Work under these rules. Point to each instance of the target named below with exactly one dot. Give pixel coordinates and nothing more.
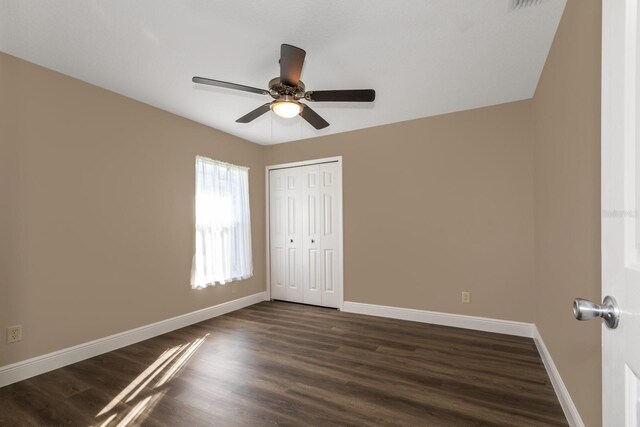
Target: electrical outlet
(14, 334)
(466, 297)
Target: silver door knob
(586, 310)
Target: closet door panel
(330, 186)
(311, 236)
(277, 234)
(294, 239)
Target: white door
(305, 233)
(330, 186)
(285, 224)
(620, 211)
(311, 237)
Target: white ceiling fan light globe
(286, 109)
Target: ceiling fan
(287, 91)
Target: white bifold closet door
(305, 216)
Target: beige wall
(97, 211)
(566, 111)
(436, 206)
(8, 214)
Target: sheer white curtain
(223, 224)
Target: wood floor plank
(278, 363)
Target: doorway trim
(269, 168)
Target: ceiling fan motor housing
(278, 90)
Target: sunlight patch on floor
(141, 393)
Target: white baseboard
(569, 408)
(486, 324)
(38, 365)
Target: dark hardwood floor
(277, 363)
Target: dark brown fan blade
(352, 95)
(254, 114)
(291, 60)
(313, 118)
(228, 85)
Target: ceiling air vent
(521, 4)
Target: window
(223, 224)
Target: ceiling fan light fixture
(286, 109)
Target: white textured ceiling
(423, 57)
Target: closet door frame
(336, 159)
